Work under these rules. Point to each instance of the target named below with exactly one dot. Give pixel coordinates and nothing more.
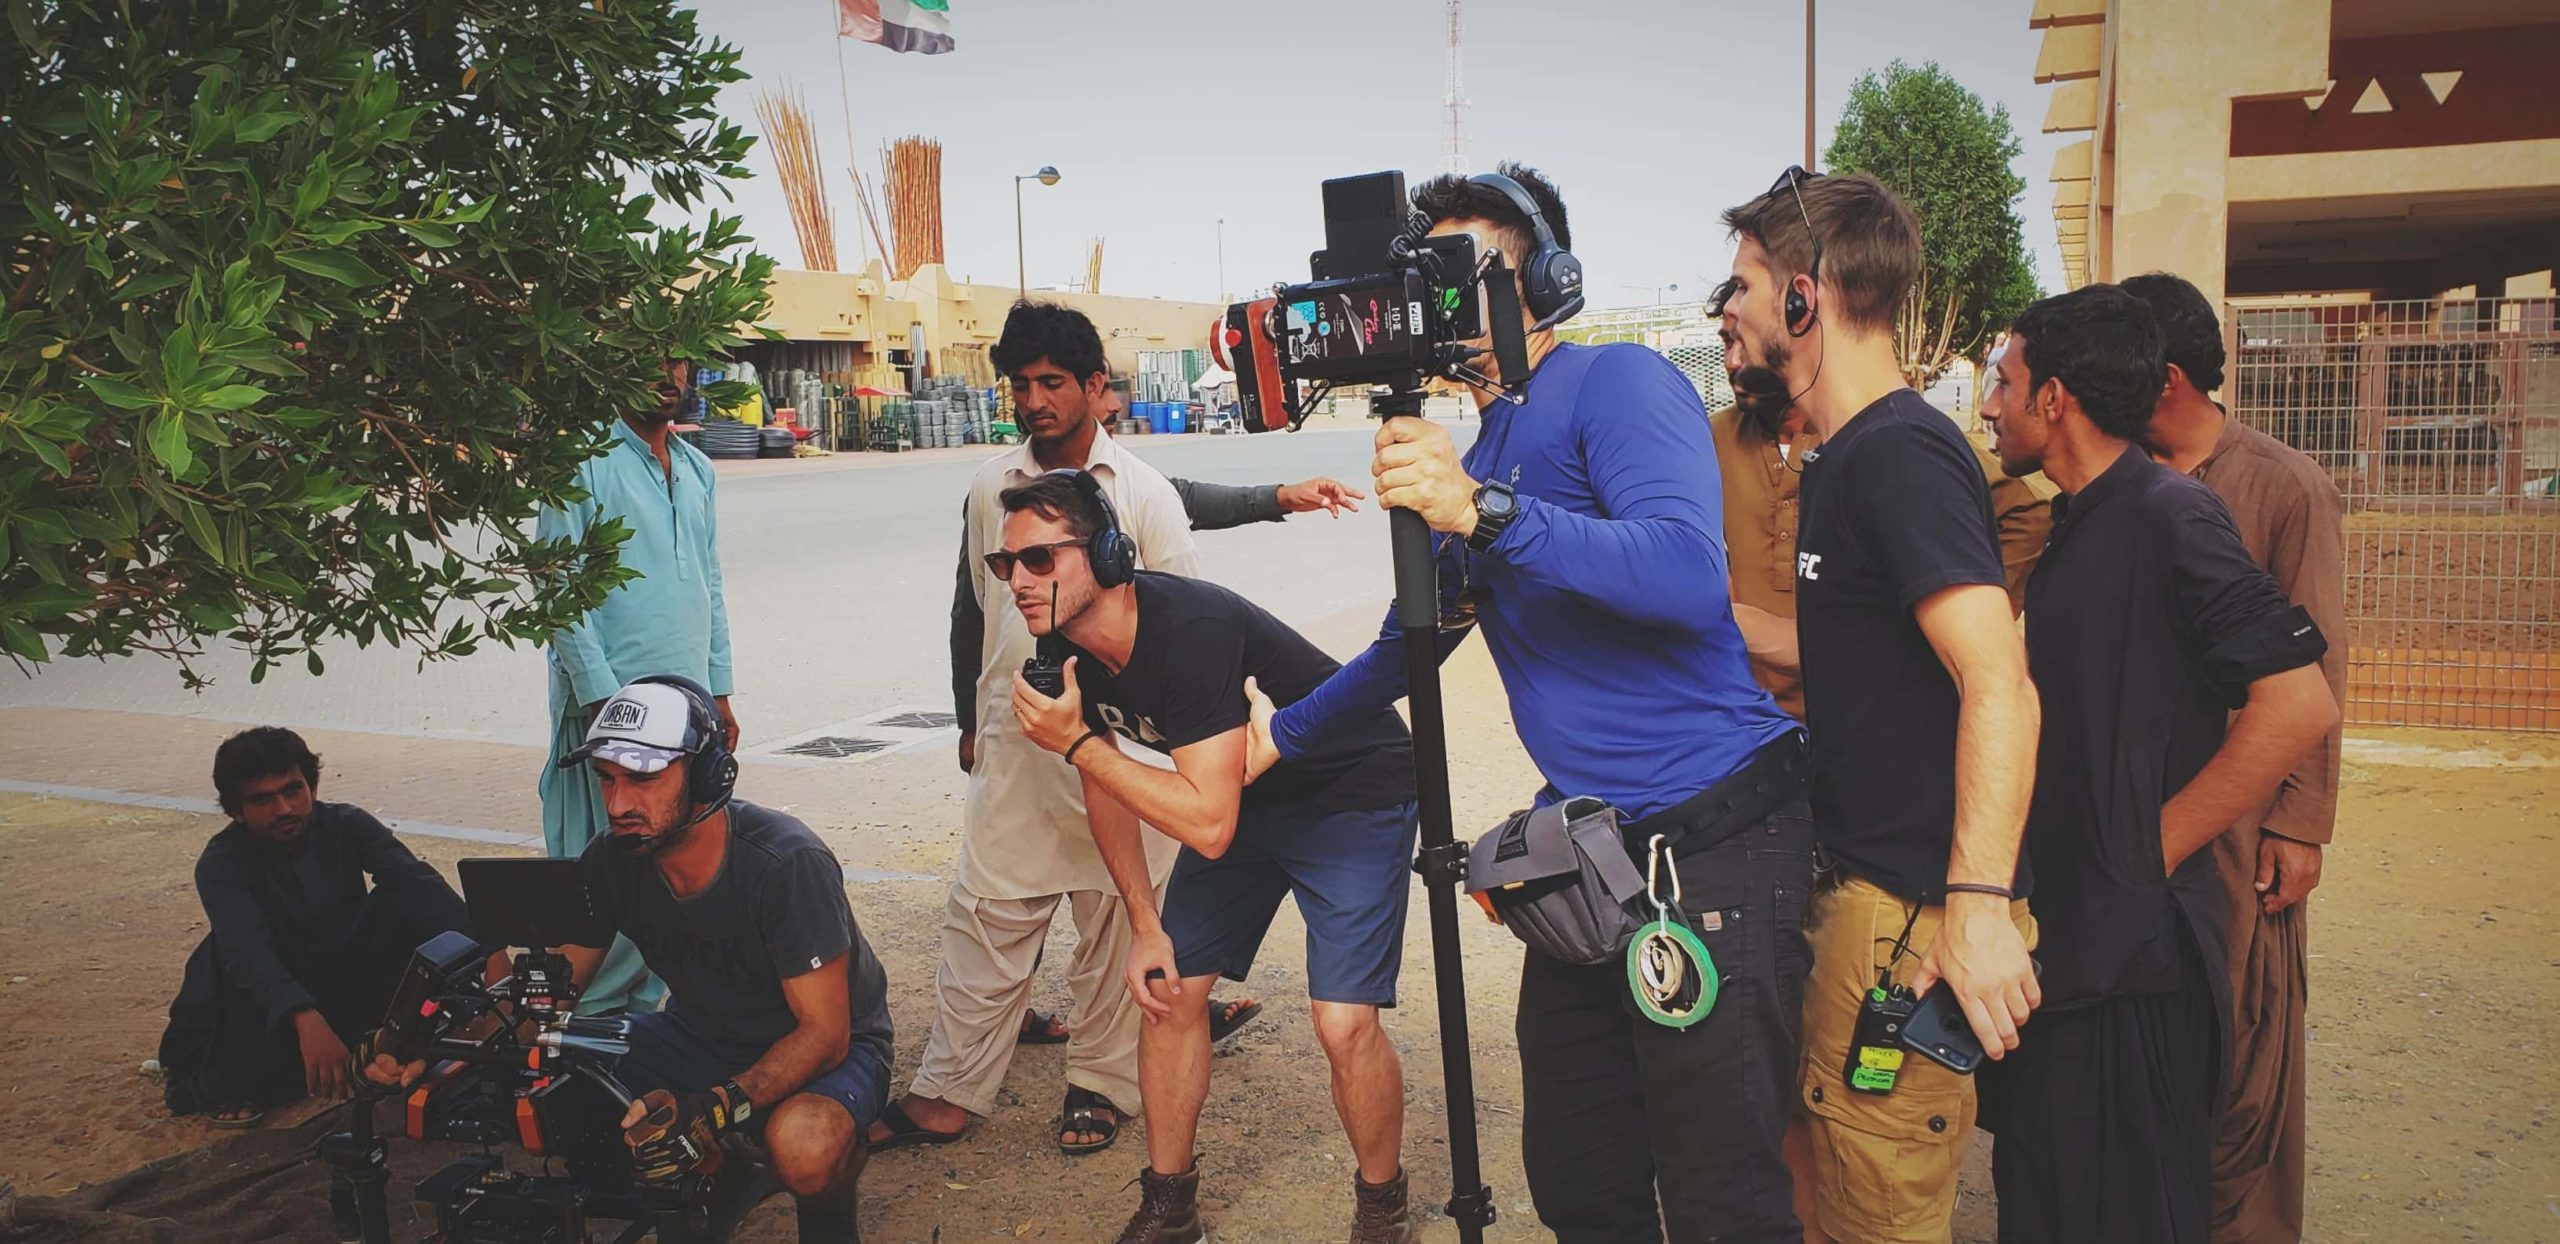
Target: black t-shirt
(1894, 509)
(1197, 642)
(2146, 623)
(776, 910)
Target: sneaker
(1381, 1215)
(1168, 1209)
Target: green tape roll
(1699, 962)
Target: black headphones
(711, 773)
(1113, 554)
(1550, 277)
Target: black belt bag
(1565, 878)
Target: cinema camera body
(508, 1063)
(1389, 309)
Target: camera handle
(359, 1170)
(1442, 859)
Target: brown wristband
(1089, 736)
(1975, 887)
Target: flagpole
(844, 98)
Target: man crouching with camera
(777, 1019)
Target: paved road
(839, 581)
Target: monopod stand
(1442, 861)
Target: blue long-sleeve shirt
(1605, 602)
(674, 618)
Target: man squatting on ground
(1024, 845)
(2147, 625)
(672, 619)
(1580, 534)
(302, 956)
(1916, 695)
(1163, 663)
(777, 1019)
(2289, 515)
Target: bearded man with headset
(777, 1016)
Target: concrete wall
(2165, 123)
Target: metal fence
(1682, 331)
(2440, 422)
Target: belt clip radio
(1875, 1049)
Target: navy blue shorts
(1349, 871)
(666, 1053)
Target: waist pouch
(1560, 879)
(1564, 878)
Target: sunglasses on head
(1791, 181)
(1038, 558)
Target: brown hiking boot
(1168, 1209)
(1381, 1216)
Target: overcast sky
(1166, 115)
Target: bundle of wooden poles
(795, 158)
(911, 182)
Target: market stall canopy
(1213, 378)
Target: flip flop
(1228, 1018)
(1042, 1029)
(905, 1132)
(1079, 1116)
(235, 1118)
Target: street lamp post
(1047, 176)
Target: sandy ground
(2433, 1087)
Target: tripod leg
(1418, 609)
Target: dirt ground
(2433, 1090)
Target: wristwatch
(1496, 506)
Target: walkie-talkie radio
(1045, 671)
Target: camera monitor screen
(530, 902)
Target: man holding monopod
(1581, 532)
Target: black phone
(1938, 1031)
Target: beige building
(2372, 190)
(2396, 148)
(871, 316)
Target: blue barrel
(1159, 416)
(1178, 418)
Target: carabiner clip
(1653, 854)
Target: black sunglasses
(1040, 558)
(1791, 181)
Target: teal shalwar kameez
(671, 620)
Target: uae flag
(898, 25)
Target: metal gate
(2440, 422)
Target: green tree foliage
(1921, 133)
(307, 305)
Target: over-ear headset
(711, 773)
(1550, 277)
(1113, 554)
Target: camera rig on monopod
(508, 1062)
(1391, 309)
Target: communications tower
(1454, 160)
